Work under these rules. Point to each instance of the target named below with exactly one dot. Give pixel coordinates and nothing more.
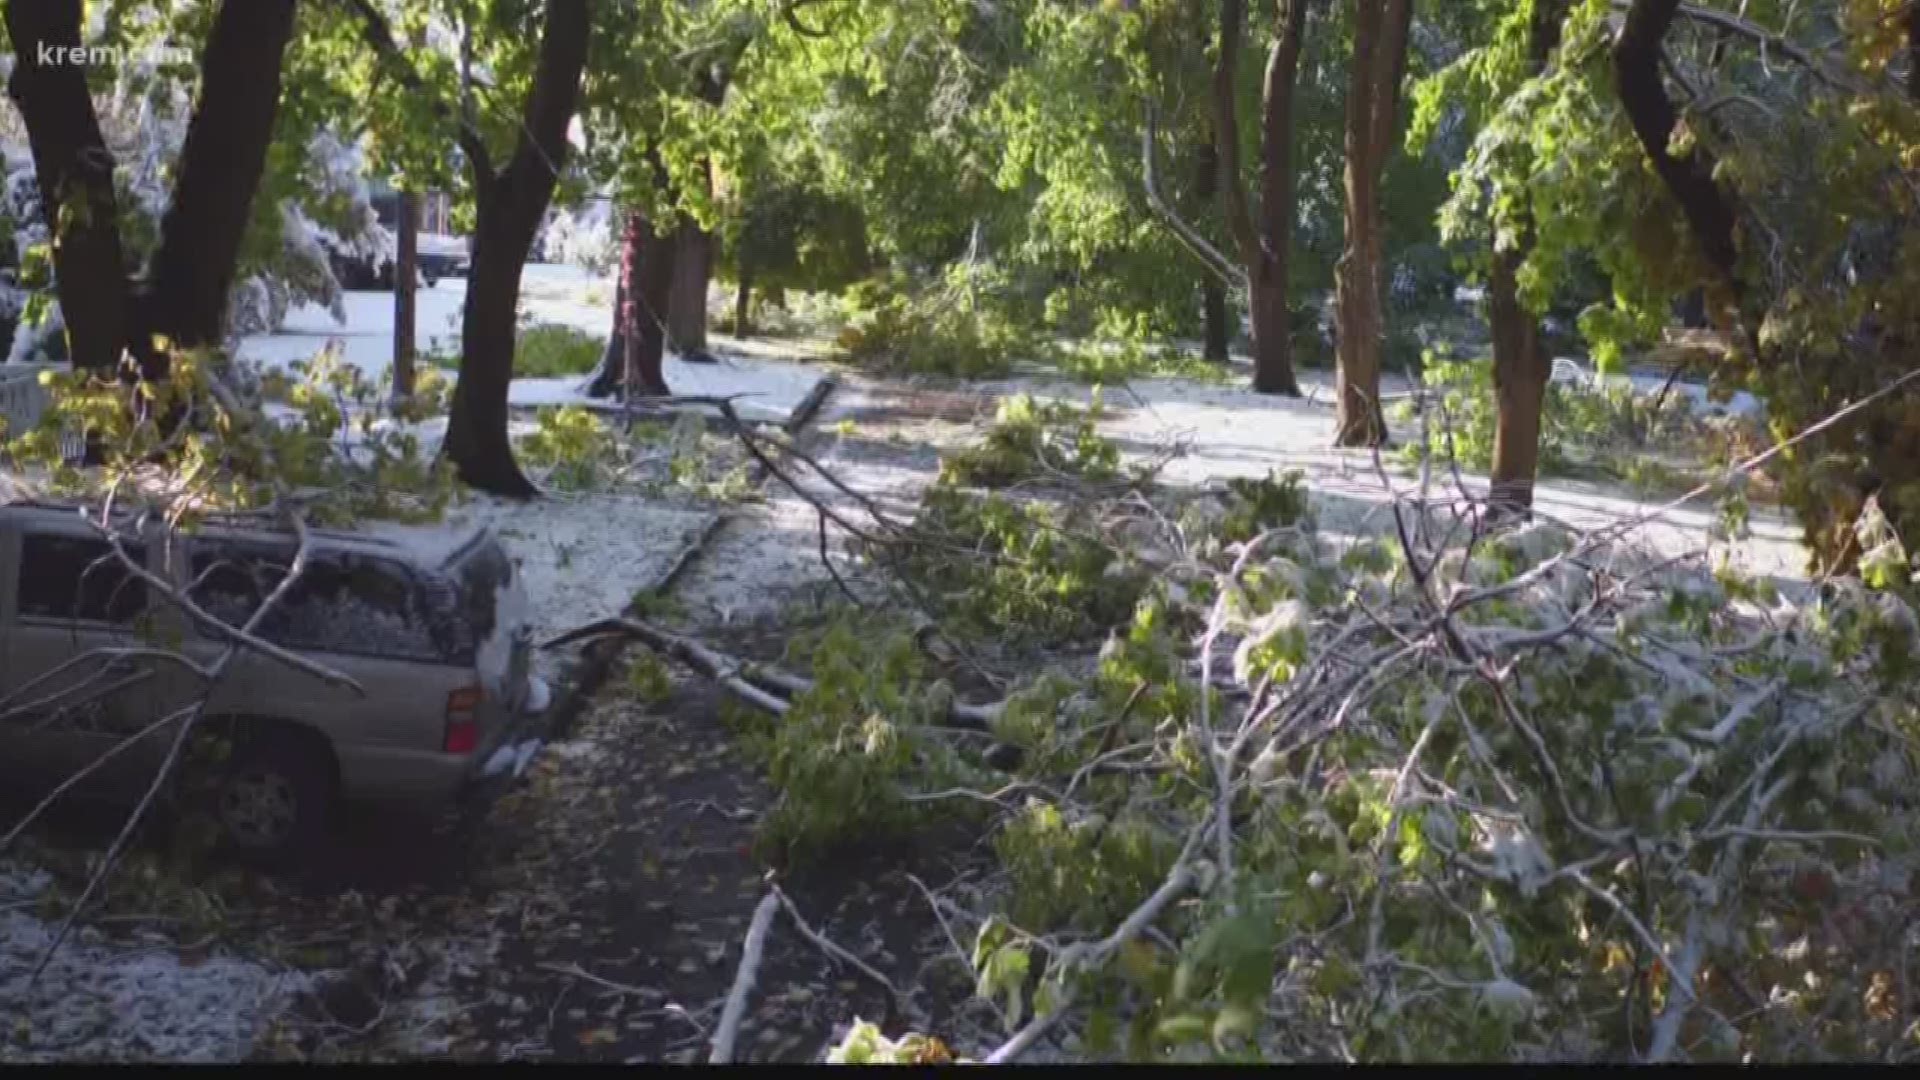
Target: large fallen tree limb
(736, 1008)
(727, 1031)
(1094, 955)
(751, 682)
(1230, 273)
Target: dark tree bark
(693, 261)
(1215, 338)
(1273, 368)
(611, 375)
(1709, 211)
(405, 277)
(687, 306)
(510, 204)
(1521, 365)
(183, 300)
(75, 171)
(1913, 52)
(613, 358)
(649, 291)
(642, 298)
(1263, 248)
(1226, 125)
(1381, 30)
(743, 298)
(1520, 370)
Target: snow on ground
(564, 295)
(1231, 432)
(583, 558)
(890, 456)
(766, 391)
(137, 1001)
(1740, 404)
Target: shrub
(1107, 362)
(549, 350)
(948, 329)
(1029, 440)
(576, 448)
(1606, 428)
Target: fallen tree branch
(83, 772)
(244, 636)
(717, 666)
(575, 971)
(728, 1029)
(1176, 883)
(835, 951)
(236, 637)
(741, 676)
(9, 710)
(1209, 256)
(1767, 39)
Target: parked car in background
(438, 254)
(428, 622)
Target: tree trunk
(1215, 336)
(1913, 52)
(649, 291)
(404, 277)
(75, 173)
(626, 322)
(184, 298)
(1267, 275)
(687, 303)
(1520, 370)
(510, 205)
(1262, 252)
(1379, 54)
(1216, 340)
(477, 426)
(613, 358)
(1226, 129)
(743, 299)
(1521, 365)
(634, 353)
(692, 274)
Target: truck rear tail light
(463, 721)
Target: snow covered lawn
(1229, 431)
(562, 295)
(138, 1000)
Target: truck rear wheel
(275, 799)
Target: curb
(590, 672)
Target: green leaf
(1183, 1030)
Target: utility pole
(405, 273)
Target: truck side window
(342, 603)
(79, 579)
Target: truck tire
(274, 800)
